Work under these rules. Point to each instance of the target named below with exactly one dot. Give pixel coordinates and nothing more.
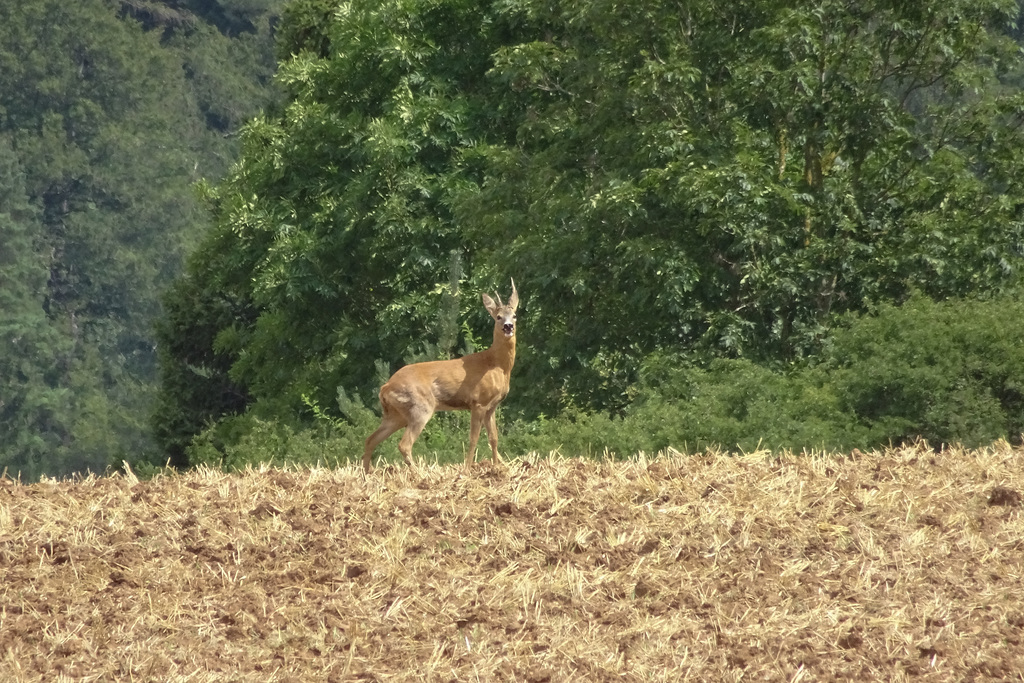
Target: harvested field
(888, 566)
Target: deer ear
(489, 304)
(513, 301)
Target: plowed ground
(899, 565)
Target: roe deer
(477, 383)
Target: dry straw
(887, 566)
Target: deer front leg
(477, 417)
(492, 434)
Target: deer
(478, 382)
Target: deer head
(504, 314)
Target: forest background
(223, 223)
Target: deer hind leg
(417, 419)
(391, 423)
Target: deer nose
(508, 327)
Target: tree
(31, 349)
(335, 229)
(731, 176)
(721, 177)
(107, 123)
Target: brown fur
(477, 383)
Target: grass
(888, 565)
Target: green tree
(86, 103)
(719, 177)
(728, 176)
(32, 351)
(334, 233)
(226, 49)
(229, 17)
(195, 384)
(110, 112)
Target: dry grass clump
(892, 565)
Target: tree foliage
(105, 123)
(30, 398)
(723, 178)
(730, 176)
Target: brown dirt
(886, 566)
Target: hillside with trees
(692, 199)
(110, 112)
(223, 223)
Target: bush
(738, 405)
(948, 372)
(732, 404)
(234, 442)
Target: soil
(895, 565)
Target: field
(895, 565)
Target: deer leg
(477, 417)
(492, 434)
(388, 426)
(418, 418)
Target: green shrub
(738, 405)
(234, 442)
(948, 372)
(732, 404)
